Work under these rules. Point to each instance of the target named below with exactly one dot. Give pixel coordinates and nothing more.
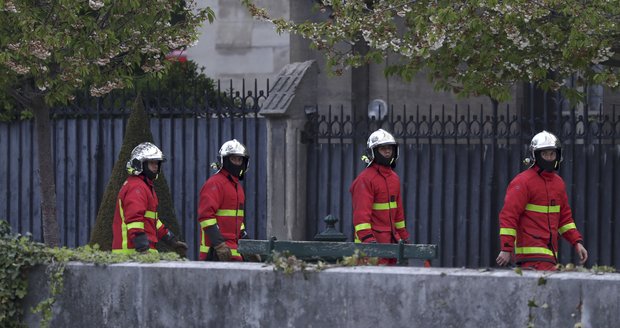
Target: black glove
(252, 258)
(223, 252)
(141, 243)
(173, 242)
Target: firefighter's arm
(362, 198)
(514, 206)
(567, 228)
(133, 208)
(174, 243)
(210, 199)
(400, 221)
(242, 233)
(161, 229)
(581, 252)
(503, 258)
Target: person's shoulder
(133, 181)
(526, 175)
(218, 178)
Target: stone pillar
(295, 89)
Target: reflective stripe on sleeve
(208, 223)
(150, 215)
(567, 227)
(508, 232)
(362, 226)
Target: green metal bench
(336, 250)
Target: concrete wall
(201, 294)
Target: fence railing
(455, 164)
(86, 139)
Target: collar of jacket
(146, 180)
(384, 170)
(545, 174)
(230, 177)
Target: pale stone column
(294, 89)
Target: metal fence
(455, 164)
(86, 140)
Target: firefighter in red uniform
(136, 226)
(221, 206)
(536, 209)
(378, 215)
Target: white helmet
(376, 139)
(545, 140)
(233, 147)
(145, 151)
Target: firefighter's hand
(252, 258)
(582, 252)
(180, 248)
(141, 243)
(223, 252)
(503, 258)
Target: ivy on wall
(19, 254)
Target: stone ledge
(201, 294)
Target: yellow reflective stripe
(124, 227)
(134, 225)
(208, 223)
(242, 226)
(384, 206)
(508, 232)
(150, 215)
(159, 224)
(399, 224)
(542, 208)
(203, 245)
(234, 252)
(229, 213)
(362, 226)
(534, 250)
(567, 227)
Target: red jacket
(221, 202)
(535, 210)
(136, 212)
(378, 213)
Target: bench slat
(310, 249)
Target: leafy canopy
(49, 49)
(470, 47)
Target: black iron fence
(455, 164)
(86, 140)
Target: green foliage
(51, 49)
(542, 281)
(289, 264)
(358, 258)
(470, 47)
(19, 254)
(137, 131)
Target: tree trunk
(46, 173)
